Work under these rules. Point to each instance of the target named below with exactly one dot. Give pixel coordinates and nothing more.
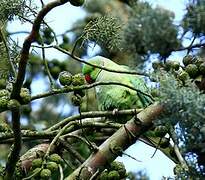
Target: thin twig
(100, 67)
(93, 114)
(89, 86)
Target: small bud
(53, 166)
(45, 174)
(37, 163)
(78, 80)
(55, 158)
(192, 70)
(65, 78)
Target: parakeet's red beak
(88, 79)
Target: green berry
(160, 131)
(103, 175)
(4, 92)
(13, 104)
(168, 65)
(119, 167)
(199, 61)
(55, 71)
(188, 59)
(65, 39)
(192, 70)
(113, 175)
(78, 80)
(176, 65)
(55, 62)
(55, 158)
(3, 102)
(45, 174)
(36, 163)
(77, 2)
(53, 166)
(3, 83)
(65, 78)
(177, 169)
(25, 95)
(202, 68)
(183, 76)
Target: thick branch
(119, 141)
(15, 94)
(14, 156)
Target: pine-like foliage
(105, 31)
(184, 105)
(10, 8)
(151, 30)
(194, 19)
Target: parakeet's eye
(88, 79)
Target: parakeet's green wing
(144, 94)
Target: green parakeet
(112, 97)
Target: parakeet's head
(90, 72)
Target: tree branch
(15, 94)
(117, 143)
(68, 89)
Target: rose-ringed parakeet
(112, 97)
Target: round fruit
(4, 92)
(36, 163)
(176, 65)
(183, 76)
(25, 95)
(192, 70)
(65, 78)
(199, 61)
(53, 166)
(3, 83)
(78, 79)
(55, 71)
(13, 104)
(45, 174)
(187, 60)
(168, 65)
(65, 39)
(3, 102)
(77, 2)
(113, 175)
(119, 167)
(202, 68)
(55, 158)
(103, 175)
